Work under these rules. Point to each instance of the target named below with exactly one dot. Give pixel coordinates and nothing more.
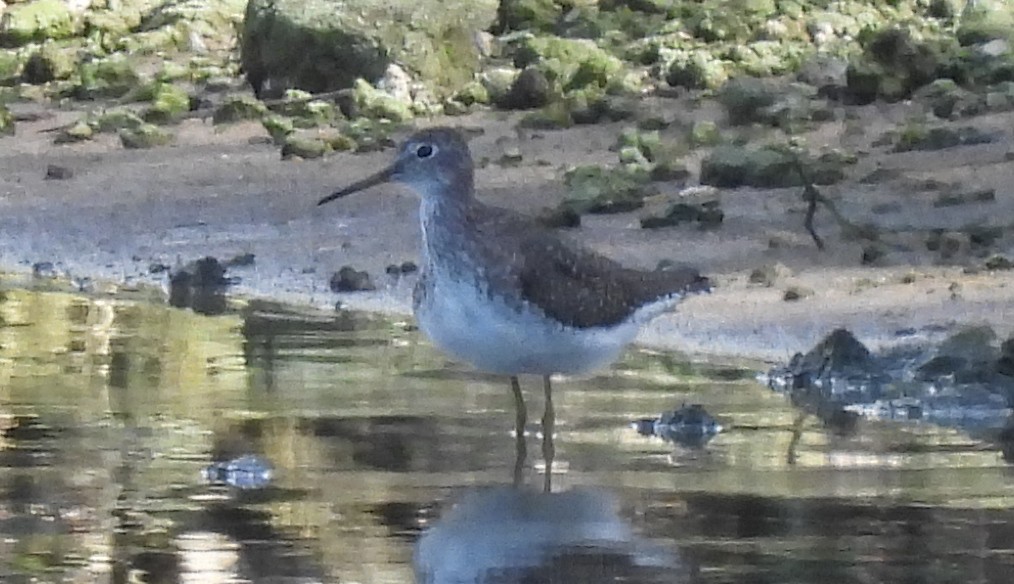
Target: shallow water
(391, 464)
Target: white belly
(495, 338)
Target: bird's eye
(424, 151)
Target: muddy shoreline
(225, 192)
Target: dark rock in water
(44, 270)
(349, 279)
(687, 425)
(393, 270)
(957, 383)
(57, 172)
(246, 472)
(200, 286)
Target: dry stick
(813, 196)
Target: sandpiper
(506, 295)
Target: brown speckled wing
(571, 285)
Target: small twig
(812, 196)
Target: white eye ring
(425, 150)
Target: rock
(473, 93)
(998, 262)
(967, 355)
(376, 104)
(593, 189)
(80, 131)
(44, 270)
(708, 214)
(946, 99)
(919, 137)
(168, 104)
(105, 79)
(872, 254)
(115, 120)
(6, 121)
(11, 64)
(768, 167)
(744, 97)
(690, 426)
(48, 63)
(985, 20)
(828, 73)
(349, 279)
(705, 133)
(145, 136)
(305, 148)
(245, 472)
(200, 286)
(57, 172)
(562, 216)
(239, 108)
(794, 293)
(278, 127)
(696, 70)
(498, 81)
(243, 260)
(951, 199)
(533, 15)
(38, 21)
(325, 45)
(769, 274)
(530, 90)
(305, 112)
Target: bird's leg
(520, 420)
(548, 424)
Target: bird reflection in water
(515, 534)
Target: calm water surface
(393, 465)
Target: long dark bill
(381, 177)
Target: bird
(507, 295)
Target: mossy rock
(115, 120)
(594, 189)
(11, 63)
(325, 45)
(6, 121)
(532, 15)
(107, 78)
(921, 137)
(896, 61)
(36, 21)
(705, 133)
(767, 167)
(531, 89)
(81, 131)
(568, 64)
(237, 109)
(49, 63)
(986, 20)
(373, 103)
(278, 127)
(696, 70)
(145, 136)
(306, 112)
(169, 104)
(304, 148)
